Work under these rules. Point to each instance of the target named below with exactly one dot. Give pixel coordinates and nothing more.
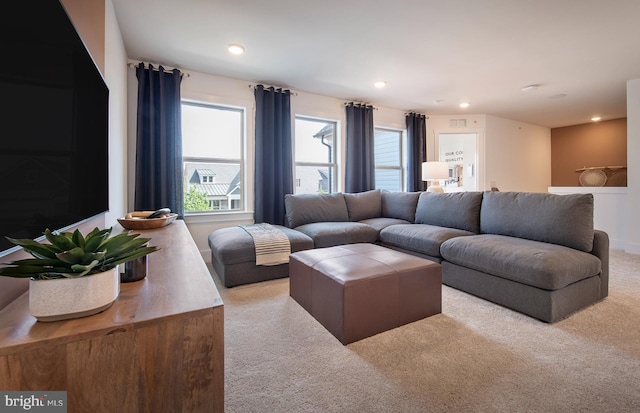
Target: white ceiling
(480, 51)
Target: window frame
(331, 165)
(231, 161)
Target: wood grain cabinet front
(159, 348)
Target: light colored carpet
(474, 357)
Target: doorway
(460, 151)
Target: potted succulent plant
(73, 275)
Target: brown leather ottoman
(359, 290)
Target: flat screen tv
(53, 123)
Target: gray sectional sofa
(536, 253)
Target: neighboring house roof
(198, 173)
(235, 181)
(234, 186)
(222, 172)
(219, 189)
(235, 191)
(205, 172)
(213, 189)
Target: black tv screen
(53, 123)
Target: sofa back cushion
(309, 208)
(364, 205)
(400, 205)
(559, 219)
(459, 210)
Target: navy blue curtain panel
(416, 150)
(360, 162)
(274, 154)
(158, 177)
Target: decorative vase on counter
(66, 298)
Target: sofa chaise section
(233, 256)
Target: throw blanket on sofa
(272, 245)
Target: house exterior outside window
(389, 159)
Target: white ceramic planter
(65, 298)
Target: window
(212, 138)
(389, 169)
(315, 154)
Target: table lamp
(432, 172)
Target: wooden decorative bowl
(138, 220)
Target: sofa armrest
(601, 250)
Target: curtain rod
(355, 102)
(293, 93)
(166, 68)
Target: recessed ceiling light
(380, 84)
(529, 88)
(235, 49)
(438, 101)
(558, 96)
(465, 105)
(596, 118)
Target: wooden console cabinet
(158, 348)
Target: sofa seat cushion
(421, 238)
(538, 264)
(381, 223)
(329, 234)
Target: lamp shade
(432, 171)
